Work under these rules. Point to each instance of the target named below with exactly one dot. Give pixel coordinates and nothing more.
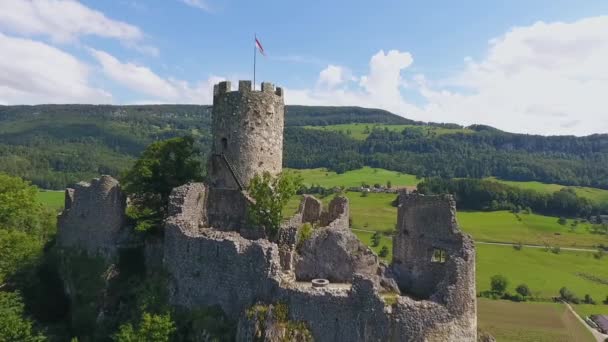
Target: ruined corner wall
(93, 217)
(426, 226)
(209, 267)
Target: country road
(574, 249)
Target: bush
(13, 325)
(605, 300)
(556, 250)
(376, 239)
(589, 300)
(562, 221)
(523, 290)
(383, 252)
(151, 328)
(518, 246)
(499, 283)
(304, 234)
(568, 296)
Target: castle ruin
(214, 257)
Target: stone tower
(247, 134)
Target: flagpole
(255, 52)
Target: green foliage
(207, 324)
(568, 296)
(376, 239)
(304, 234)
(14, 327)
(499, 283)
(162, 166)
(270, 194)
(523, 290)
(151, 328)
(20, 210)
(383, 252)
(475, 194)
(562, 220)
(588, 300)
(20, 251)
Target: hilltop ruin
(213, 257)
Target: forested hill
(56, 145)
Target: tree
(13, 325)
(568, 296)
(383, 252)
(389, 184)
(375, 239)
(270, 194)
(562, 221)
(499, 283)
(523, 290)
(605, 301)
(589, 300)
(163, 166)
(151, 328)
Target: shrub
(556, 250)
(605, 300)
(568, 296)
(499, 283)
(518, 246)
(383, 252)
(376, 239)
(523, 290)
(151, 328)
(304, 234)
(562, 221)
(589, 300)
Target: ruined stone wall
(93, 217)
(248, 130)
(432, 257)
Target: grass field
(51, 199)
(373, 212)
(585, 310)
(593, 194)
(503, 226)
(360, 131)
(371, 176)
(533, 322)
(544, 272)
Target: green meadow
(51, 199)
(360, 131)
(371, 176)
(504, 226)
(530, 322)
(543, 271)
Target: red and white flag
(259, 46)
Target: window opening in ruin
(224, 144)
(439, 256)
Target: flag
(259, 46)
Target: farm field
(375, 212)
(360, 131)
(544, 272)
(354, 178)
(51, 199)
(593, 194)
(534, 322)
(504, 226)
(585, 310)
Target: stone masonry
(212, 257)
(94, 217)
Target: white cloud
(200, 4)
(333, 76)
(142, 80)
(546, 78)
(65, 21)
(33, 72)
(379, 89)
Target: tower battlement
(245, 86)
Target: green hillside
(594, 194)
(56, 145)
(354, 178)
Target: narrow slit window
(224, 144)
(439, 256)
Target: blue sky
(524, 66)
